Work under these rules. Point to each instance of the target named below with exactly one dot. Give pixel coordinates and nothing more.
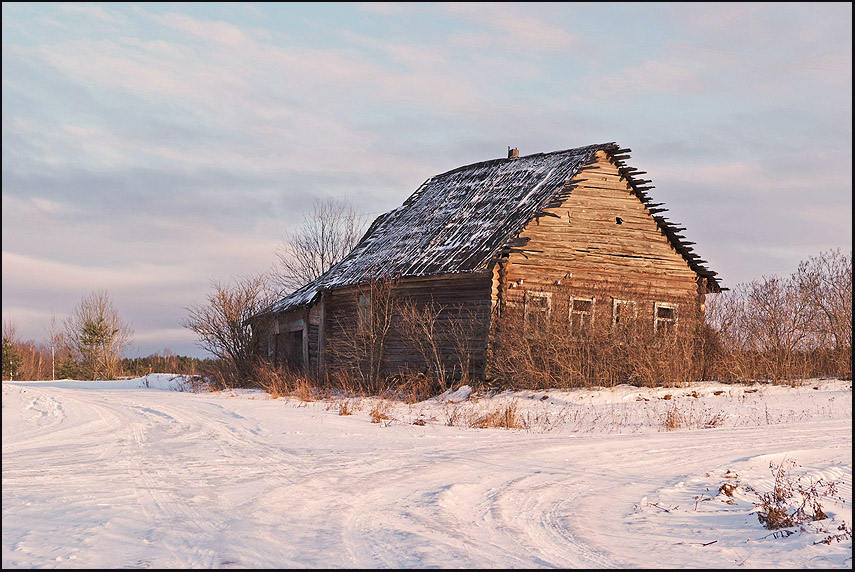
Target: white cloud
(515, 27)
(212, 31)
(92, 11)
(30, 272)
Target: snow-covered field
(137, 473)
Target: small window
(581, 315)
(664, 317)
(364, 310)
(538, 308)
(623, 312)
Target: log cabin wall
(601, 243)
(462, 306)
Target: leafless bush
(223, 325)
(356, 353)
(443, 338)
(786, 329)
(431, 343)
(792, 502)
(825, 282)
(604, 352)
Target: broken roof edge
(668, 228)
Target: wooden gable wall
(579, 247)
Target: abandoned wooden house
(473, 242)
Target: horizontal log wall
(465, 303)
(579, 247)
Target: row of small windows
(538, 310)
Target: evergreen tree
(12, 360)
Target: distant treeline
(32, 361)
(168, 363)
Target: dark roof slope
(458, 221)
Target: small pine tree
(12, 360)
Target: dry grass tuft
(506, 417)
(345, 407)
(380, 411)
(672, 419)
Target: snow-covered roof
(460, 220)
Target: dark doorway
(289, 349)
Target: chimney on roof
(513, 153)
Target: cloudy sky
(149, 149)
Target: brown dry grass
(505, 417)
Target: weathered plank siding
(461, 303)
(284, 338)
(581, 249)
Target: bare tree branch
(326, 235)
(222, 323)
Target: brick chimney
(513, 153)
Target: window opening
(364, 310)
(538, 308)
(664, 317)
(581, 315)
(623, 312)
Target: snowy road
(163, 479)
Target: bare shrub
(442, 337)
(792, 502)
(786, 329)
(825, 282)
(224, 326)
(357, 350)
(606, 351)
